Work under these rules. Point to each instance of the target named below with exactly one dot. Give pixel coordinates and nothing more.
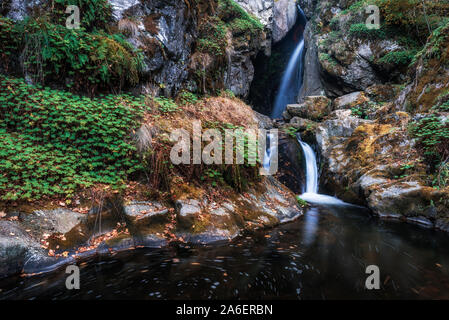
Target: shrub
(432, 138)
(237, 19)
(94, 14)
(212, 37)
(54, 142)
(53, 53)
(403, 57)
(360, 30)
(165, 104)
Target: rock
(263, 10)
(302, 124)
(290, 172)
(382, 92)
(308, 6)
(313, 107)
(350, 100)
(285, 14)
(142, 212)
(52, 221)
(428, 85)
(14, 244)
(312, 85)
(120, 6)
(264, 122)
(19, 9)
(286, 116)
(240, 72)
(19, 251)
(399, 200)
(349, 62)
(187, 210)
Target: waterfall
(311, 195)
(268, 152)
(292, 79)
(311, 168)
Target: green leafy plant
(403, 57)
(54, 142)
(302, 203)
(291, 131)
(166, 105)
(432, 136)
(84, 61)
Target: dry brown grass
(128, 27)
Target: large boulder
(313, 107)
(350, 100)
(59, 220)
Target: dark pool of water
(323, 255)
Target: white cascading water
(286, 95)
(292, 79)
(311, 168)
(268, 152)
(311, 195)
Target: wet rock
(146, 212)
(291, 169)
(187, 210)
(19, 251)
(286, 207)
(407, 199)
(14, 244)
(313, 107)
(52, 221)
(308, 6)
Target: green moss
(360, 30)
(53, 54)
(403, 57)
(237, 19)
(432, 137)
(302, 203)
(326, 57)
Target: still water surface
(323, 255)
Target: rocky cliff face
(167, 33)
(386, 94)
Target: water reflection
(310, 226)
(321, 256)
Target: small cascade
(292, 79)
(311, 195)
(268, 152)
(311, 168)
